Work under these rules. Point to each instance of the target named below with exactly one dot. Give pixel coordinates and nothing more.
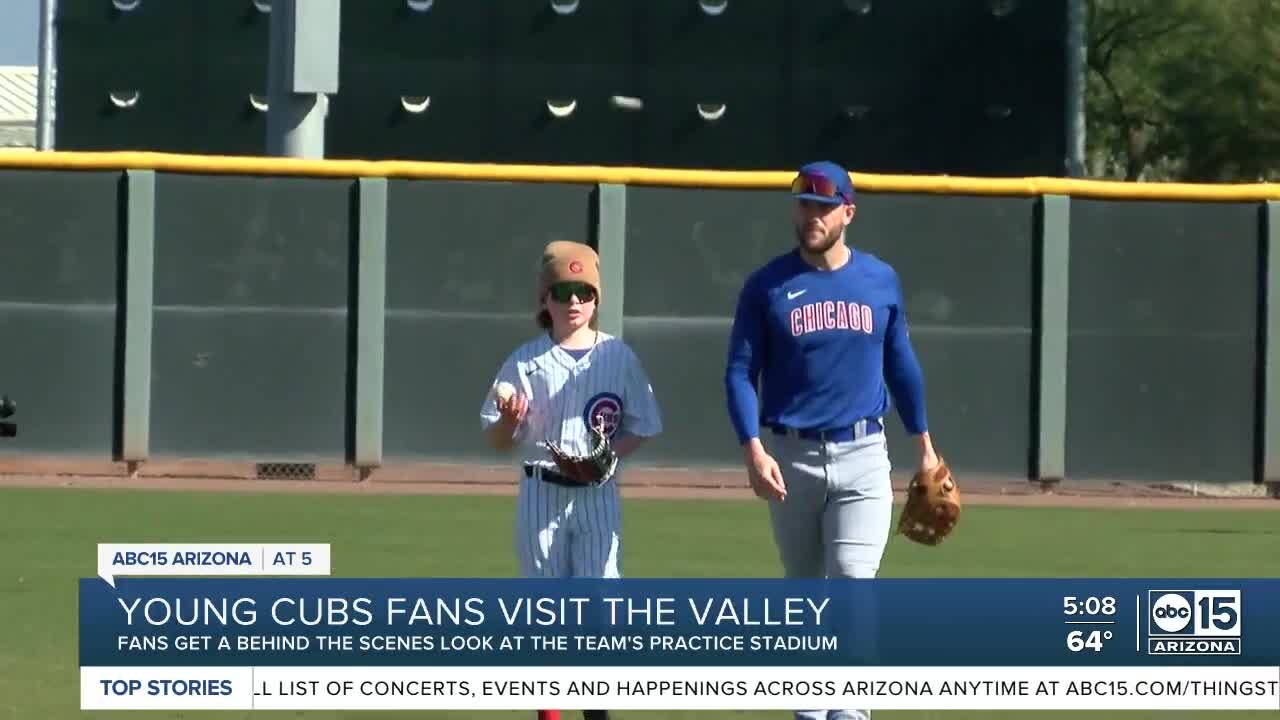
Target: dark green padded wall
(1163, 350)
(59, 279)
(250, 343)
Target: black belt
(549, 475)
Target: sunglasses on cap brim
(818, 185)
(563, 292)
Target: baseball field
(49, 531)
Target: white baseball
(505, 391)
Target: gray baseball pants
(836, 519)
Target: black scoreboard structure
(961, 87)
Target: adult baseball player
(570, 404)
(824, 330)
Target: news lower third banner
(266, 627)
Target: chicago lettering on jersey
(831, 315)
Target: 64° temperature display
(1088, 619)
(1078, 640)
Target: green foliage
(1184, 90)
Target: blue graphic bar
(309, 621)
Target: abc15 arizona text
(1193, 622)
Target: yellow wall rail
(762, 180)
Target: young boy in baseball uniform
(551, 391)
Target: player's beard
(820, 245)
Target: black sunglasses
(562, 292)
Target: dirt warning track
(474, 479)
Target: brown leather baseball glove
(594, 468)
(932, 507)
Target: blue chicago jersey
(827, 348)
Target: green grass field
(48, 540)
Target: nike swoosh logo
(796, 294)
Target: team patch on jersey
(819, 316)
(604, 411)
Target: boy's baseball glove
(932, 507)
(594, 468)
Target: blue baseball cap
(824, 182)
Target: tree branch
(1133, 160)
(1119, 25)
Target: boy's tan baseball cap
(568, 261)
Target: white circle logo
(1172, 613)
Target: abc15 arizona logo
(1193, 622)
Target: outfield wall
(156, 307)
